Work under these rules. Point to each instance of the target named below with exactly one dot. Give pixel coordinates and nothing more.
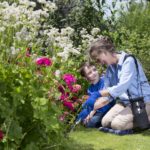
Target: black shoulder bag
(140, 119)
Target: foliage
(79, 15)
(136, 17)
(27, 115)
(131, 32)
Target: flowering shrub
(70, 98)
(27, 114)
(34, 97)
(67, 91)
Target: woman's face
(92, 74)
(105, 58)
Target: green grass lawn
(92, 139)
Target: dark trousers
(95, 121)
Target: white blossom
(51, 6)
(14, 51)
(67, 31)
(64, 55)
(32, 4)
(42, 1)
(57, 73)
(95, 31)
(4, 4)
(83, 31)
(24, 2)
(2, 29)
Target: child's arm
(98, 104)
(90, 101)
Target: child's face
(92, 74)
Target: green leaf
(31, 146)
(15, 131)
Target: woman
(121, 75)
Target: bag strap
(137, 69)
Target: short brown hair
(103, 44)
(83, 66)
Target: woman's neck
(116, 57)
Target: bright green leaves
(27, 117)
(40, 102)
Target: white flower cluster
(27, 3)
(87, 39)
(23, 19)
(14, 51)
(95, 31)
(31, 26)
(61, 40)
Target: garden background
(42, 45)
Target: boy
(91, 74)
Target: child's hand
(92, 113)
(88, 118)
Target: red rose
(1, 135)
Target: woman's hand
(100, 103)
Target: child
(91, 74)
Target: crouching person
(89, 116)
(126, 81)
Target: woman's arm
(127, 75)
(100, 103)
(104, 93)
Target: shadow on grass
(146, 133)
(73, 145)
(105, 149)
(78, 145)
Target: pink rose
(44, 61)
(69, 79)
(64, 96)
(68, 105)
(76, 88)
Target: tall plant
(132, 32)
